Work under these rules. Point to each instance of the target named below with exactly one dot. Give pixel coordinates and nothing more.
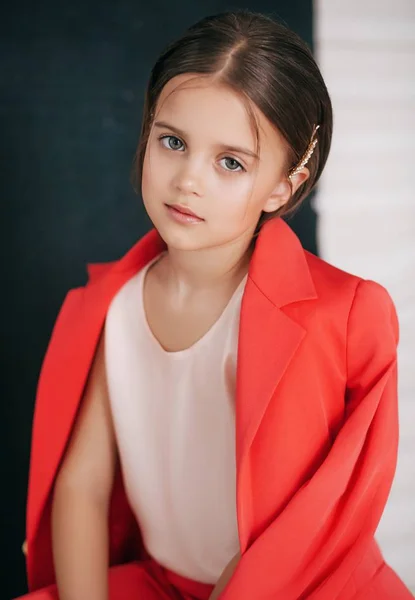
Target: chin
(180, 238)
(178, 242)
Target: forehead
(198, 104)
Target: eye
(171, 142)
(232, 165)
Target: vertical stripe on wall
(365, 203)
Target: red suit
(316, 426)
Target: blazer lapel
(268, 340)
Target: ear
(285, 189)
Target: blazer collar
(279, 266)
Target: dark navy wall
(72, 80)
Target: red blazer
(316, 424)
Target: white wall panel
(366, 199)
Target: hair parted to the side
(270, 66)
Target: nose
(189, 179)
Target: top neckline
(177, 354)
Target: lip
(184, 210)
(183, 215)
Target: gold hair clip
(308, 153)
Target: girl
(216, 413)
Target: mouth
(184, 210)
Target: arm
(313, 546)
(82, 494)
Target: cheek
(238, 196)
(146, 175)
(154, 174)
(235, 187)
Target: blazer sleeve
(313, 546)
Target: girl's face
(201, 156)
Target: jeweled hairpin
(307, 155)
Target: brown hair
(269, 65)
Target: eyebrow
(164, 125)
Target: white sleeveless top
(174, 419)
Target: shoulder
(104, 280)
(97, 270)
(330, 280)
(364, 303)
(135, 258)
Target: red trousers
(145, 580)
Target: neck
(198, 270)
